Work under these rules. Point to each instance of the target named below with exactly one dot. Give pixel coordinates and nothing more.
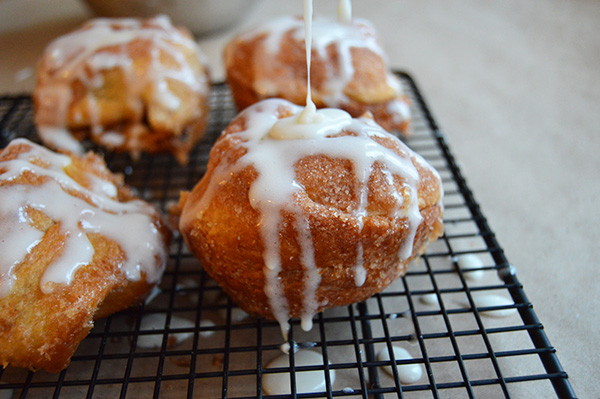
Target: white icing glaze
(311, 124)
(360, 273)
(491, 300)
(471, 265)
(112, 139)
(308, 114)
(345, 11)
(400, 110)
(186, 284)
(59, 137)
(237, 315)
(206, 324)
(100, 45)
(157, 321)
(429, 299)
(130, 224)
(313, 278)
(156, 291)
(407, 373)
(18, 239)
(306, 381)
(286, 347)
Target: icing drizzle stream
(345, 11)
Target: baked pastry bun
(76, 246)
(348, 69)
(127, 84)
(292, 218)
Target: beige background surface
(514, 84)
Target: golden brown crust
(127, 100)
(225, 235)
(42, 330)
(249, 65)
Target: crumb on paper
(183, 361)
(217, 361)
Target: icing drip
(407, 373)
(313, 278)
(101, 45)
(492, 300)
(130, 224)
(306, 381)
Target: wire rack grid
(201, 345)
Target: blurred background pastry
(76, 246)
(127, 84)
(349, 68)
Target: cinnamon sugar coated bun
(76, 245)
(349, 69)
(127, 84)
(294, 217)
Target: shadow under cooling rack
(465, 347)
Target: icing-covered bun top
(348, 168)
(40, 189)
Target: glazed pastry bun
(76, 246)
(127, 84)
(294, 217)
(348, 71)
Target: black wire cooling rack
(200, 345)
